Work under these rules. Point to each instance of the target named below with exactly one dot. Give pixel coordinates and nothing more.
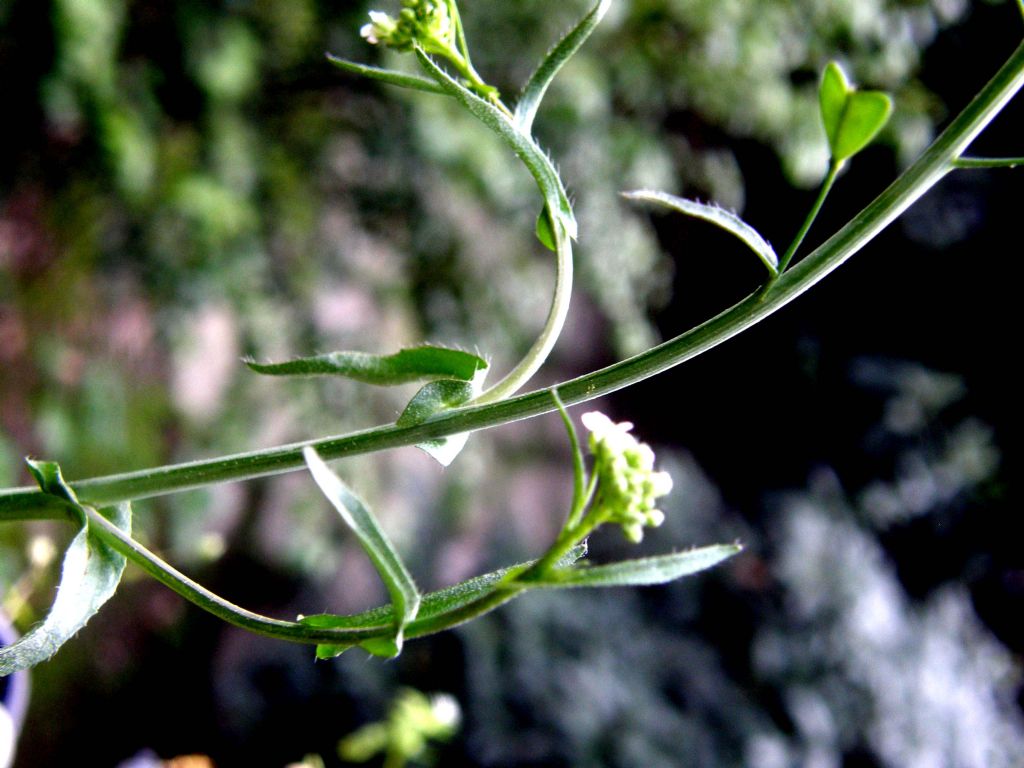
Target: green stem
(293, 631)
(579, 474)
(826, 186)
(931, 167)
(570, 537)
(202, 597)
(515, 379)
(988, 162)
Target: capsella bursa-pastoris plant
(622, 486)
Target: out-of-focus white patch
(446, 709)
(205, 361)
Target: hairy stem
(515, 379)
(935, 163)
(199, 595)
(295, 632)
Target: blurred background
(186, 183)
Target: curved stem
(579, 472)
(935, 163)
(515, 379)
(826, 187)
(223, 609)
(293, 631)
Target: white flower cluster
(627, 486)
(426, 22)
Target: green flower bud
(627, 486)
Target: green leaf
(405, 598)
(852, 118)
(434, 398)
(389, 76)
(545, 230)
(433, 606)
(89, 576)
(525, 148)
(458, 377)
(537, 85)
(641, 572)
(50, 481)
(419, 363)
(719, 217)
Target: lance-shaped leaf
(852, 118)
(641, 572)
(434, 606)
(525, 148)
(389, 76)
(89, 576)
(405, 598)
(420, 363)
(537, 85)
(717, 216)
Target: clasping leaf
(89, 576)
(454, 378)
(438, 610)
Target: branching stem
(928, 170)
(826, 187)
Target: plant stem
(515, 379)
(932, 166)
(283, 630)
(579, 474)
(215, 604)
(826, 186)
(988, 162)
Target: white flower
(380, 28)
(627, 483)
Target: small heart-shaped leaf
(852, 118)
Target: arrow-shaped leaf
(537, 85)
(641, 572)
(90, 574)
(405, 598)
(717, 216)
(852, 118)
